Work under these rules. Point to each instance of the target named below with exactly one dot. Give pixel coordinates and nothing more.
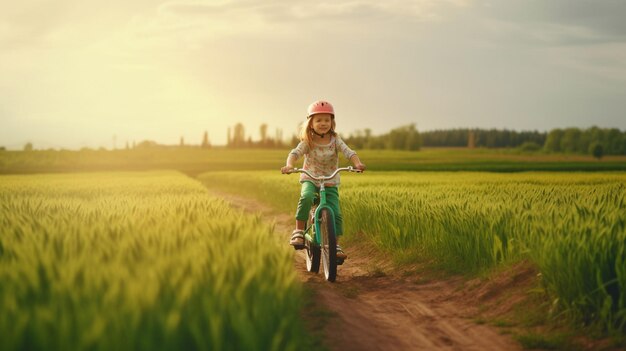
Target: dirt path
(374, 308)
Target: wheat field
(128, 261)
(571, 226)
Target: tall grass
(571, 226)
(139, 261)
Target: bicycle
(320, 241)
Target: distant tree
(182, 141)
(596, 150)
(615, 142)
(376, 143)
(553, 140)
(491, 138)
(239, 136)
(127, 146)
(356, 140)
(363, 139)
(205, 141)
(413, 140)
(471, 139)
(263, 133)
(584, 141)
(2, 148)
(28, 147)
(404, 138)
(596, 134)
(570, 140)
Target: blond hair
(306, 131)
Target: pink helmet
(320, 106)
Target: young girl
(319, 145)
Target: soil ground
(373, 306)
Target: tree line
(408, 138)
(489, 138)
(573, 140)
(402, 138)
(596, 141)
(236, 138)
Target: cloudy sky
(76, 73)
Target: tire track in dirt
(377, 310)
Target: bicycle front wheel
(329, 245)
(313, 254)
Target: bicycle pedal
(340, 261)
(298, 247)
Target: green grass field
(194, 161)
(149, 260)
(572, 226)
(130, 261)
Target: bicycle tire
(313, 257)
(329, 245)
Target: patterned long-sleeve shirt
(322, 160)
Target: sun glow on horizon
(75, 75)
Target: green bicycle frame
(321, 246)
(316, 238)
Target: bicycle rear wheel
(329, 245)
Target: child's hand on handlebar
(286, 169)
(360, 167)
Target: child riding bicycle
(320, 158)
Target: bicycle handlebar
(324, 178)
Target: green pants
(307, 194)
